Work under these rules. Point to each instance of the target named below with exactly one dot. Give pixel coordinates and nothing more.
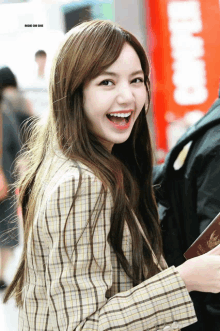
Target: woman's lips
(120, 123)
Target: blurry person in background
(40, 59)
(13, 100)
(188, 193)
(8, 226)
(36, 90)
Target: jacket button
(175, 326)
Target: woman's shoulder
(61, 171)
(67, 179)
(73, 168)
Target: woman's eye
(138, 80)
(106, 82)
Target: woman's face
(114, 99)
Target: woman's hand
(202, 273)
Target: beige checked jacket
(84, 295)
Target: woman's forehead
(128, 61)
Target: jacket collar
(209, 120)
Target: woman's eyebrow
(111, 73)
(138, 72)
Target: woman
(89, 263)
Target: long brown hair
(87, 50)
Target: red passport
(207, 240)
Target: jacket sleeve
(208, 206)
(77, 289)
(208, 188)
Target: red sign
(184, 42)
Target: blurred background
(181, 38)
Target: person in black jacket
(8, 220)
(13, 100)
(189, 199)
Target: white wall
(19, 43)
(130, 14)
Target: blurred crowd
(17, 110)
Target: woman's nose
(125, 95)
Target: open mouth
(119, 118)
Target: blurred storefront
(183, 38)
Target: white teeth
(120, 114)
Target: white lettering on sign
(189, 77)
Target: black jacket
(188, 199)
(11, 145)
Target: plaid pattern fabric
(89, 290)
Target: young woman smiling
(92, 257)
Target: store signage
(184, 48)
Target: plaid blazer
(80, 293)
